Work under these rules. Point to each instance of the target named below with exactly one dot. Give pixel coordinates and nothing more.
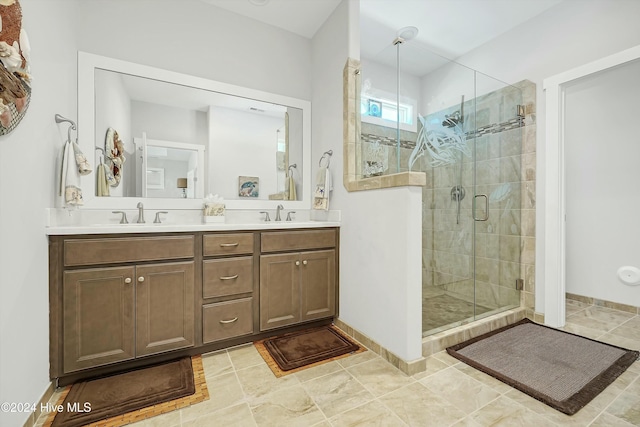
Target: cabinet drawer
(297, 240)
(227, 276)
(227, 319)
(126, 249)
(227, 244)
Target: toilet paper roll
(629, 275)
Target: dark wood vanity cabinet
(297, 286)
(104, 313)
(123, 301)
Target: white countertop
(173, 228)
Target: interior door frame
(554, 206)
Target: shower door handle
(486, 207)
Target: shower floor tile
(444, 311)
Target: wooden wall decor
(15, 77)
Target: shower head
(407, 33)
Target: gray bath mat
(560, 369)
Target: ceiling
(448, 27)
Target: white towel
(323, 188)
(70, 177)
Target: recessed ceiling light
(407, 33)
(258, 2)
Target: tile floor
(364, 390)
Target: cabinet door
(98, 317)
(279, 290)
(318, 284)
(164, 307)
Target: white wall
(186, 36)
(570, 34)
(380, 238)
(192, 37)
(27, 187)
(602, 175)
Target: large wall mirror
(182, 137)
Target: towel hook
(295, 166)
(61, 119)
(327, 155)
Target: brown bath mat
(298, 350)
(560, 369)
(133, 396)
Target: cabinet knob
(127, 280)
(304, 262)
(297, 262)
(141, 279)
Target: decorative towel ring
(326, 155)
(60, 119)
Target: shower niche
(466, 132)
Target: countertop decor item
(248, 186)
(15, 77)
(560, 369)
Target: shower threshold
(489, 322)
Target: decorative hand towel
(291, 188)
(84, 168)
(70, 178)
(323, 187)
(114, 150)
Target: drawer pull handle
(127, 280)
(141, 279)
(226, 245)
(235, 276)
(224, 322)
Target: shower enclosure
(422, 112)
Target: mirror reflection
(187, 142)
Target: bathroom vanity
(120, 300)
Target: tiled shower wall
(505, 244)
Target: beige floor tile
(608, 420)
(460, 390)
(445, 357)
(433, 365)
(627, 405)
(318, 371)
(573, 306)
(288, 407)
(245, 356)
(372, 414)
(599, 318)
(170, 419)
(505, 412)
(467, 422)
(258, 381)
(629, 329)
(217, 363)
(356, 359)
(379, 377)
(620, 341)
(224, 391)
(337, 392)
(418, 406)
(582, 330)
(581, 418)
(234, 416)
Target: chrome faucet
(279, 208)
(140, 207)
